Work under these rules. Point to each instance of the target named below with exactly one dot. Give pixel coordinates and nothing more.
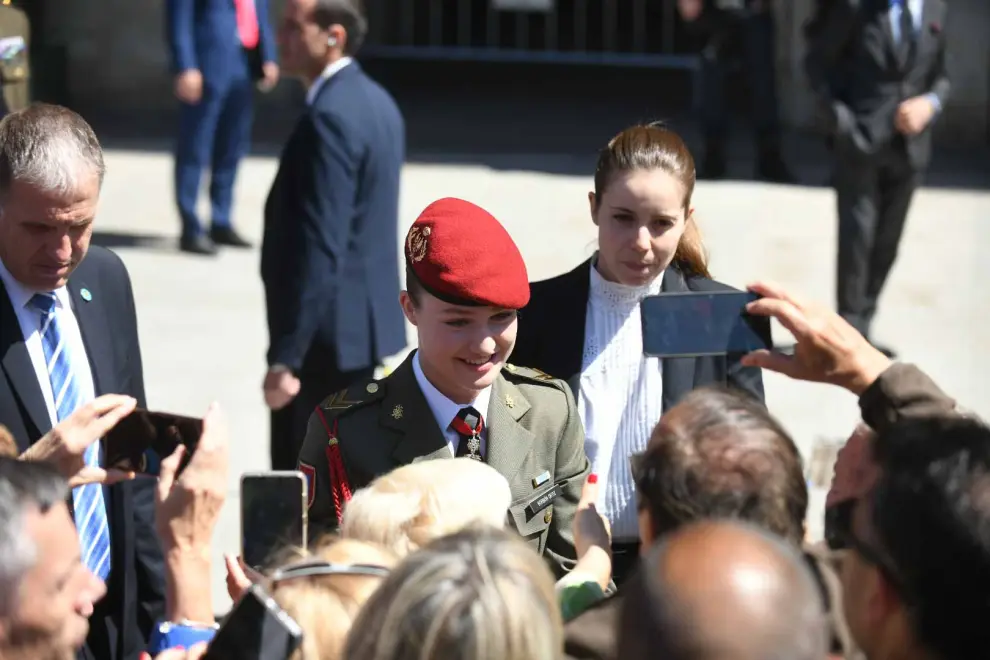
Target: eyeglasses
(839, 535)
(316, 568)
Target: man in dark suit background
(879, 69)
(745, 31)
(330, 260)
(68, 332)
(218, 49)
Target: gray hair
(479, 594)
(24, 485)
(50, 147)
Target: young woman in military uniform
(456, 395)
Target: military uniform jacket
(534, 432)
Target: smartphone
(141, 440)
(697, 323)
(256, 629)
(273, 515)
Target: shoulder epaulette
(531, 374)
(329, 410)
(353, 397)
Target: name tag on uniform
(543, 501)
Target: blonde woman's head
(325, 606)
(479, 594)
(415, 504)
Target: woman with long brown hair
(584, 326)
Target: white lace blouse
(619, 400)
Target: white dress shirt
(29, 318)
(620, 397)
(328, 73)
(444, 410)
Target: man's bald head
(723, 590)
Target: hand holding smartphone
(256, 629)
(697, 323)
(273, 515)
(140, 441)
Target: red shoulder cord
(340, 488)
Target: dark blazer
(121, 623)
(329, 258)
(592, 634)
(202, 34)
(854, 67)
(551, 337)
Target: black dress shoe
(197, 244)
(227, 236)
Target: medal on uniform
(468, 425)
(474, 442)
(474, 446)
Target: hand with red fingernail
(592, 535)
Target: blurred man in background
(219, 48)
(329, 261)
(730, 31)
(879, 70)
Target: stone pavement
(202, 320)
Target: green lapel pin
(86, 295)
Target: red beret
(461, 254)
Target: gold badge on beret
(417, 242)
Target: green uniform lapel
(405, 410)
(508, 441)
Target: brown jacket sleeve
(903, 391)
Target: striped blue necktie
(87, 501)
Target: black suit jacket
(551, 337)
(854, 67)
(121, 623)
(329, 259)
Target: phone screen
(702, 323)
(256, 629)
(141, 440)
(273, 515)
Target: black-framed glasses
(839, 535)
(317, 568)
